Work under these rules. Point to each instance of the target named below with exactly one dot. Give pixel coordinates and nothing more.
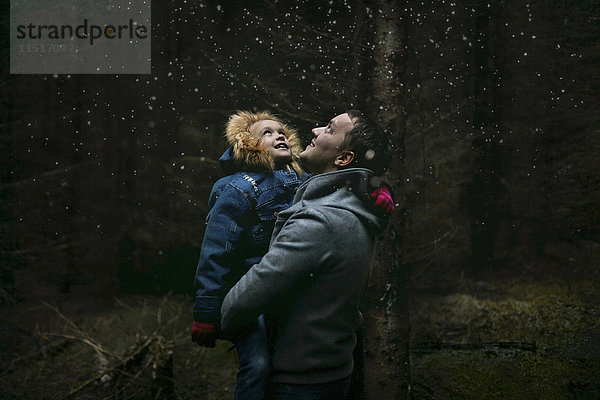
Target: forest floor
(528, 330)
(116, 352)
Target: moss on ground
(560, 317)
(508, 375)
(547, 315)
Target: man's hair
(368, 142)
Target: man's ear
(344, 159)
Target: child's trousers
(255, 364)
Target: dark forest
(486, 283)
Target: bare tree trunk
(484, 191)
(387, 317)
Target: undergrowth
(139, 349)
(512, 337)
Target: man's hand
(204, 333)
(383, 199)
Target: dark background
(492, 109)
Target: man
(310, 282)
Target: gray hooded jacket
(310, 283)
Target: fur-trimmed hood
(247, 151)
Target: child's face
(271, 137)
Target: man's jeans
(351, 388)
(255, 364)
(336, 390)
(357, 389)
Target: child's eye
(267, 132)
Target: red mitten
(204, 333)
(383, 199)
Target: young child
(263, 175)
(262, 163)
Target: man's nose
(317, 131)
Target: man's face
(271, 136)
(321, 153)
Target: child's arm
(383, 198)
(220, 252)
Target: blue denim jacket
(243, 209)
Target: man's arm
(293, 258)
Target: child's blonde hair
(248, 149)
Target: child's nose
(317, 131)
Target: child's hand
(383, 199)
(204, 334)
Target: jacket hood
(229, 164)
(348, 189)
(246, 152)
